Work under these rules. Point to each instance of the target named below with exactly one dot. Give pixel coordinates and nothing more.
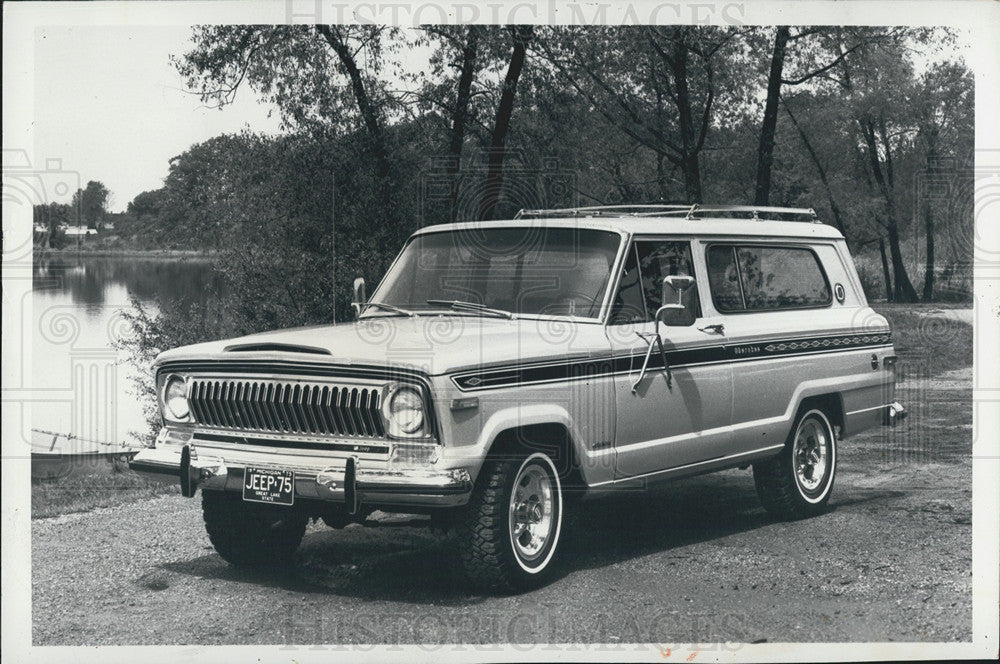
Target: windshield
(525, 270)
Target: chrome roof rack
(698, 210)
(754, 211)
(604, 211)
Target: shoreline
(128, 253)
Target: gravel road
(696, 563)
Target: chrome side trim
(867, 410)
(724, 460)
(729, 428)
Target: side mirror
(360, 298)
(674, 313)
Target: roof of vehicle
(674, 220)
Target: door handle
(718, 328)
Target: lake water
(78, 304)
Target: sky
(109, 104)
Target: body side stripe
(685, 357)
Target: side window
(628, 306)
(759, 278)
(782, 278)
(724, 278)
(659, 259)
(640, 289)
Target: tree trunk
(903, 290)
(682, 96)
(501, 125)
(765, 149)
(469, 55)
(368, 114)
(838, 220)
(928, 294)
(929, 262)
(885, 269)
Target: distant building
(73, 231)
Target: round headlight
(406, 410)
(175, 397)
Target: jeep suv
(503, 368)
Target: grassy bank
(84, 493)
(927, 339)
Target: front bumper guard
(351, 483)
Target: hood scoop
(281, 348)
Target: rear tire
(510, 531)
(797, 483)
(251, 535)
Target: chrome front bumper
(346, 481)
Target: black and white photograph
(516, 331)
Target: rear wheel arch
(830, 403)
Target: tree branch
(826, 68)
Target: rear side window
(762, 278)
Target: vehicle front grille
(287, 407)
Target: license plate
(265, 485)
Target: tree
(942, 100)
(765, 149)
(817, 54)
(303, 71)
(449, 89)
(92, 203)
(657, 85)
(52, 217)
(520, 35)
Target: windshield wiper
(391, 307)
(462, 305)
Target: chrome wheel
(812, 456)
(534, 512)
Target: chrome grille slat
(350, 403)
(251, 401)
(258, 416)
(331, 406)
(366, 412)
(262, 403)
(226, 402)
(311, 409)
(195, 402)
(315, 408)
(213, 392)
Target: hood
(434, 345)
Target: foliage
(92, 203)
(53, 218)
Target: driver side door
(680, 414)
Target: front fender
(510, 418)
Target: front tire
(510, 532)
(797, 483)
(248, 534)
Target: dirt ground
(698, 562)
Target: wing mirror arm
(652, 339)
(673, 284)
(360, 297)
